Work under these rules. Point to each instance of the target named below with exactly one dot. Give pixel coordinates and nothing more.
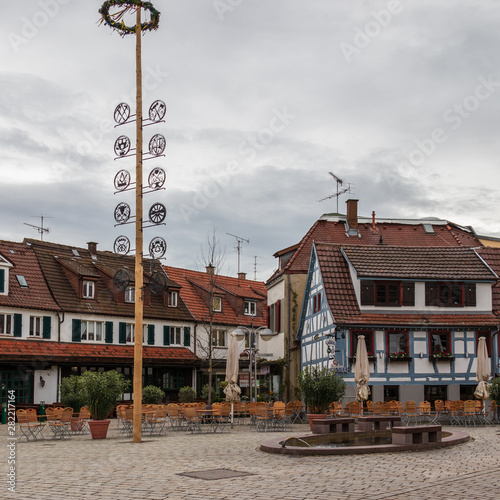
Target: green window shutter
(18, 325)
(2, 280)
(77, 330)
(367, 294)
(122, 333)
(470, 294)
(431, 293)
(151, 334)
(187, 336)
(408, 293)
(46, 327)
(166, 335)
(109, 332)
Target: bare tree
(212, 257)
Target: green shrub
(71, 392)
(187, 394)
(319, 388)
(152, 394)
(495, 390)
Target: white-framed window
(92, 331)
(130, 294)
(88, 291)
(172, 299)
(4, 281)
(35, 326)
(217, 304)
(250, 308)
(218, 337)
(130, 331)
(175, 335)
(6, 324)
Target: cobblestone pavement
(116, 468)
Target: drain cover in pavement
(210, 475)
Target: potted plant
(187, 394)
(318, 389)
(101, 390)
(152, 394)
(73, 397)
(495, 393)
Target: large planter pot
(314, 416)
(99, 428)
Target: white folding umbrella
(232, 390)
(483, 372)
(362, 371)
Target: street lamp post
(265, 334)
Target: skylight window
(428, 228)
(22, 281)
(75, 252)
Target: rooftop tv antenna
(39, 228)
(255, 267)
(240, 240)
(339, 192)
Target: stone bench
(332, 425)
(378, 423)
(417, 434)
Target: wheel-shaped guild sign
(122, 245)
(122, 180)
(157, 213)
(157, 145)
(121, 280)
(156, 178)
(122, 213)
(157, 247)
(157, 111)
(122, 145)
(122, 112)
(157, 282)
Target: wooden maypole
(139, 272)
(116, 22)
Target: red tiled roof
(392, 234)
(242, 288)
(52, 257)
(383, 261)
(342, 300)
(49, 351)
(37, 294)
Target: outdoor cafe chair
(159, 420)
(175, 417)
(264, 417)
(281, 421)
(436, 417)
(193, 421)
(424, 411)
(377, 408)
(386, 408)
(335, 408)
(61, 428)
(81, 425)
(369, 406)
(29, 429)
(410, 415)
(469, 413)
(457, 413)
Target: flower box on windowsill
(370, 358)
(442, 358)
(400, 358)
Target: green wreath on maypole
(116, 20)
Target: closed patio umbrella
(232, 390)
(483, 372)
(362, 371)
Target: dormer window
(217, 304)
(130, 294)
(172, 299)
(250, 308)
(4, 274)
(88, 291)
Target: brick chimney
(242, 276)
(352, 214)
(92, 246)
(210, 269)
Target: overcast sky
(264, 98)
